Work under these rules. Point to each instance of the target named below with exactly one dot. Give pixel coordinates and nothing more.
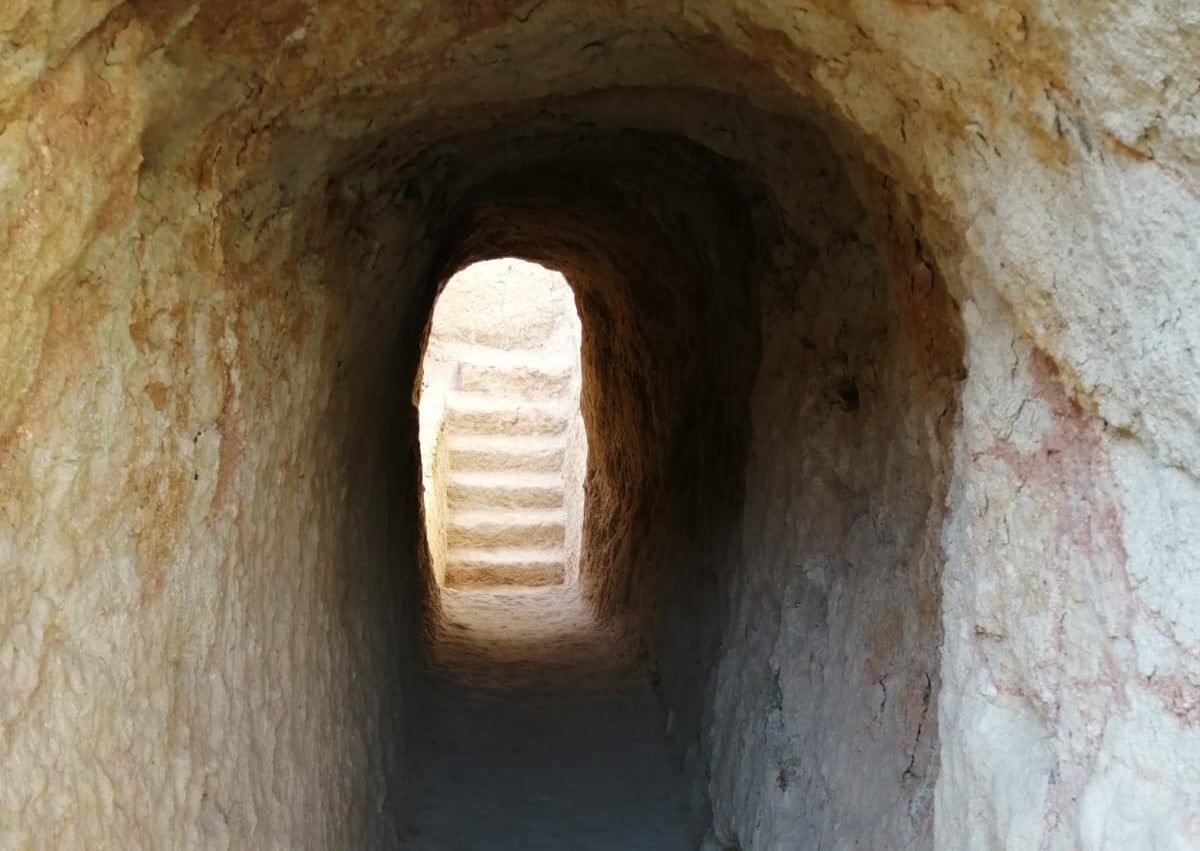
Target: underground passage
(470, 426)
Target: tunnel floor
(541, 732)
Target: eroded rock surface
(890, 377)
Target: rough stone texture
(532, 709)
(830, 660)
(506, 305)
(574, 472)
(222, 227)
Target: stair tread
(505, 555)
(504, 489)
(491, 356)
(506, 442)
(519, 367)
(516, 381)
(482, 414)
(508, 517)
(465, 400)
(499, 478)
(512, 454)
(466, 529)
(480, 576)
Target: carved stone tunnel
(889, 382)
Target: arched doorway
(502, 438)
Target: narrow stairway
(506, 432)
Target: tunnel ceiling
(949, 103)
(266, 107)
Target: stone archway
(503, 447)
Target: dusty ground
(541, 733)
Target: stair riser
(513, 381)
(505, 421)
(471, 496)
(547, 534)
(496, 460)
(458, 576)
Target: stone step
(466, 568)
(481, 452)
(479, 414)
(475, 529)
(527, 381)
(504, 489)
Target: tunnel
(885, 529)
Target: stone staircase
(505, 439)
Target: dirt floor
(541, 733)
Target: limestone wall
(575, 491)
(824, 724)
(222, 226)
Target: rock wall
(823, 721)
(208, 539)
(222, 226)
